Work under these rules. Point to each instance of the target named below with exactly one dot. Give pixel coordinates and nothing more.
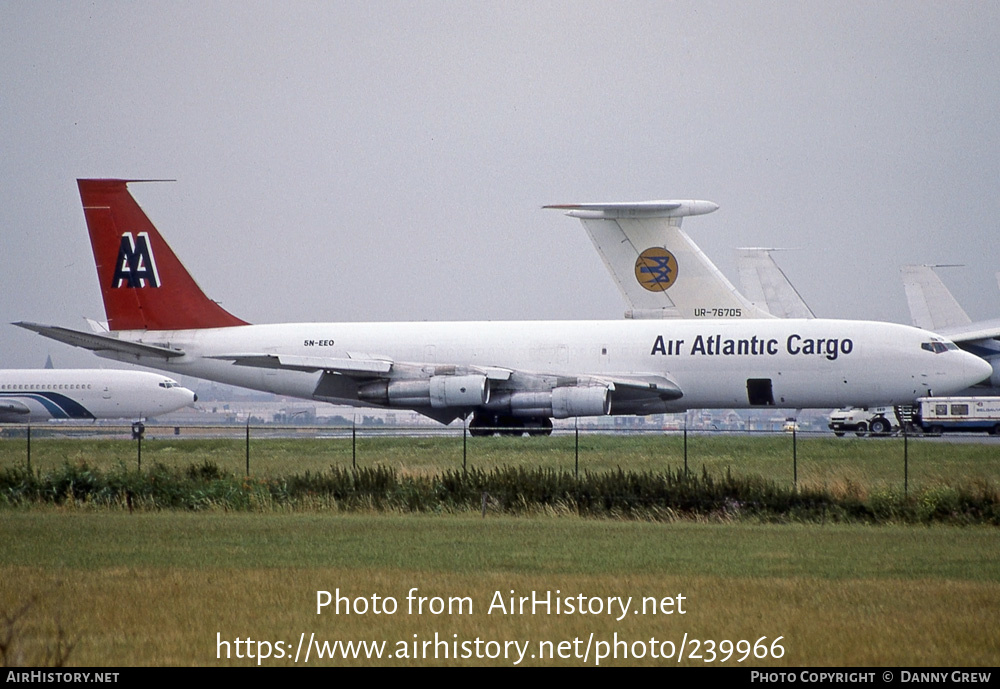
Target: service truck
(860, 421)
(937, 415)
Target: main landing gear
(483, 425)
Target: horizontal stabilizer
(637, 209)
(101, 343)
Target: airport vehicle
(32, 395)
(877, 420)
(791, 425)
(937, 415)
(512, 375)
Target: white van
(876, 420)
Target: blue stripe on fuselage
(58, 405)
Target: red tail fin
(145, 286)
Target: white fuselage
(32, 395)
(808, 363)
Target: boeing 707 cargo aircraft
(517, 375)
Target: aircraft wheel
(936, 430)
(880, 427)
(543, 428)
(861, 430)
(482, 426)
(510, 426)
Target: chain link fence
(789, 457)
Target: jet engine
(559, 403)
(434, 391)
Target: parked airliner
(933, 307)
(33, 395)
(511, 374)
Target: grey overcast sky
(388, 160)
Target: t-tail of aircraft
(144, 285)
(659, 270)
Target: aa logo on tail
(656, 269)
(135, 266)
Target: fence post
(29, 448)
(906, 463)
(576, 464)
(248, 447)
(795, 461)
(465, 433)
(138, 451)
(685, 447)
(354, 444)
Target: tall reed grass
(665, 495)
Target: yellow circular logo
(656, 269)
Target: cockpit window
(937, 347)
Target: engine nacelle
(434, 391)
(561, 403)
(459, 391)
(593, 400)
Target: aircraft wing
(101, 344)
(356, 365)
(365, 367)
(447, 391)
(980, 330)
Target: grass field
(165, 587)
(157, 588)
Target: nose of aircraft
(976, 368)
(188, 396)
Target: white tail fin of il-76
(659, 270)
